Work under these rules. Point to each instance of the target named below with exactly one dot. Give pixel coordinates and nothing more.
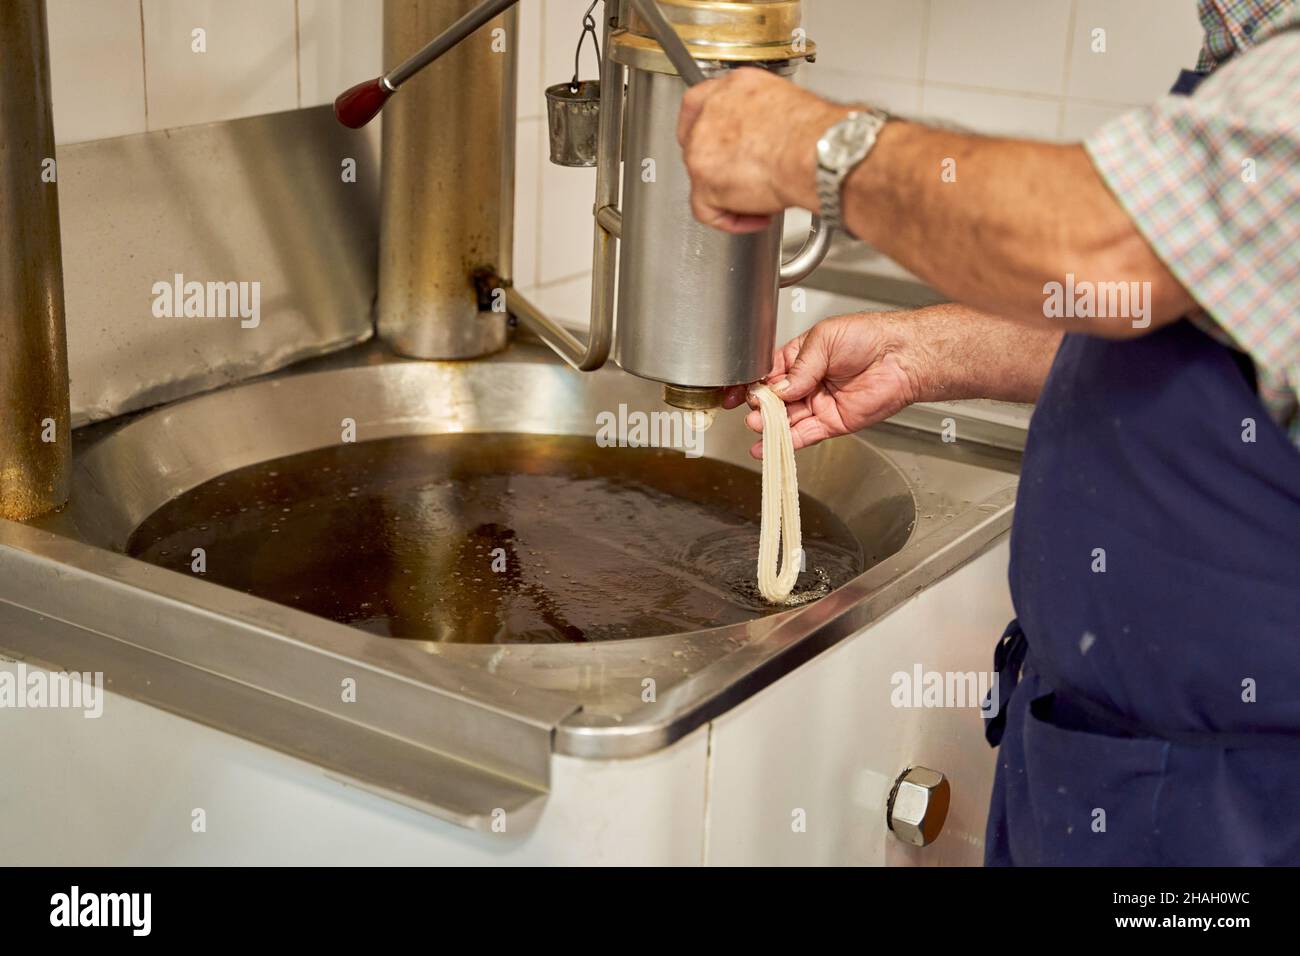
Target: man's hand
(851, 371)
(843, 374)
(750, 141)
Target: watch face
(843, 141)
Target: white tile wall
(1000, 114)
(250, 65)
(340, 43)
(1082, 118)
(1010, 67)
(1138, 51)
(565, 212)
(529, 134)
(880, 37)
(568, 301)
(564, 249)
(847, 86)
(998, 44)
(97, 69)
(529, 100)
(127, 66)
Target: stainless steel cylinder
(446, 213)
(34, 419)
(696, 306)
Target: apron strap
(1009, 661)
(1187, 82)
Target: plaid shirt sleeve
(1212, 181)
(1235, 25)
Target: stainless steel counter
(456, 730)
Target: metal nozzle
(694, 398)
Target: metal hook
(588, 28)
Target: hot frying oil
(493, 538)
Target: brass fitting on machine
(758, 31)
(693, 398)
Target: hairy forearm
(1019, 229)
(991, 222)
(959, 352)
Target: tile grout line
(144, 68)
(534, 191)
(297, 52)
(1067, 68)
(538, 156)
(708, 796)
(987, 90)
(560, 280)
(923, 56)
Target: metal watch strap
(828, 196)
(830, 182)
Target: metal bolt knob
(918, 805)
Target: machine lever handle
(358, 105)
(810, 255)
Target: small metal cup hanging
(573, 108)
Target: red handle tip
(357, 106)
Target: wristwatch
(839, 151)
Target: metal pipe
(563, 342)
(443, 212)
(35, 440)
(611, 220)
(604, 267)
(509, 107)
(444, 41)
(592, 354)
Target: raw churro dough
(780, 516)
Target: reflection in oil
(503, 538)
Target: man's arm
(851, 371)
(1018, 216)
(973, 354)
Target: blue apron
(1149, 688)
